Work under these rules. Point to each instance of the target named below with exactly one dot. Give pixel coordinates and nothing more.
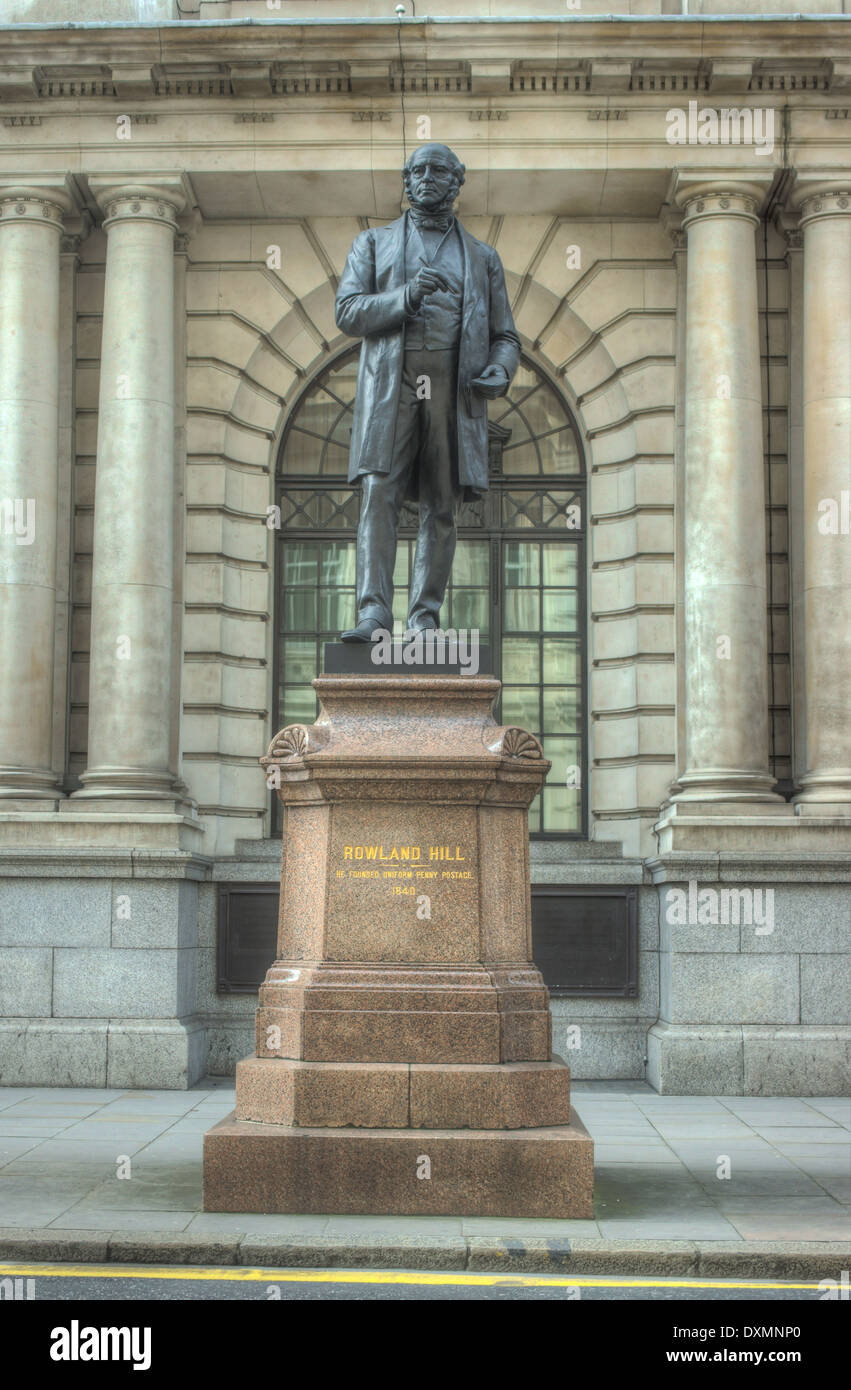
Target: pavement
(750, 1187)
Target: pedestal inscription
(400, 895)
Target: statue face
(432, 177)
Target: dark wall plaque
(584, 940)
(248, 935)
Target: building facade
(662, 567)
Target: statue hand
(426, 281)
(491, 382)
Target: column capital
(716, 193)
(42, 203)
(820, 198)
(722, 200)
(148, 200)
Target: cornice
(630, 54)
(298, 72)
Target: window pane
(522, 564)
(542, 410)
(564, 754)
(535, 814)
(302, 453)
(559, 454)
(522, 610)
(300, 610)
(298, 705)
(470, 565)
(521, 459)
(319, 413)
(562, 809)
(520, 705)
(561, 608)
(400, 572)
(300, 560)
(400, 606)
(521, 663)
(562, 662)
(521, 511)
(335, 459)
(336, 609)
(561, 709)
(337, 563)
(561, 564)
(298, 660)
(470, 609)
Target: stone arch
(608, 348)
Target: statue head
(433, 175)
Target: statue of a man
(430, 303)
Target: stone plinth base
(429, 1172)
(749, 1060)
(151, 1053)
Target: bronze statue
(430, 303)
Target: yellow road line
(379, 1276)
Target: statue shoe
(363, 632)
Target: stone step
(395, 1095)
(514, 1172)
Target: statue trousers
(425, 465)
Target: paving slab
(12, 1148)
(145, 1222)
(790, 1225)
(211, 1223)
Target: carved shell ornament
(291, 742)
(517, 743)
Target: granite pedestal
(403, 1040)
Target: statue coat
(371, 305)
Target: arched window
(518, 575)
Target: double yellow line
(425, 1278)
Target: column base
(131, 786)
(712, 786)
(828, 793)
(131, 792)
(423, 1172)
(29, 789)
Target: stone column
(30, 229)
(131, 681)
(726, 660)
(826, 223)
